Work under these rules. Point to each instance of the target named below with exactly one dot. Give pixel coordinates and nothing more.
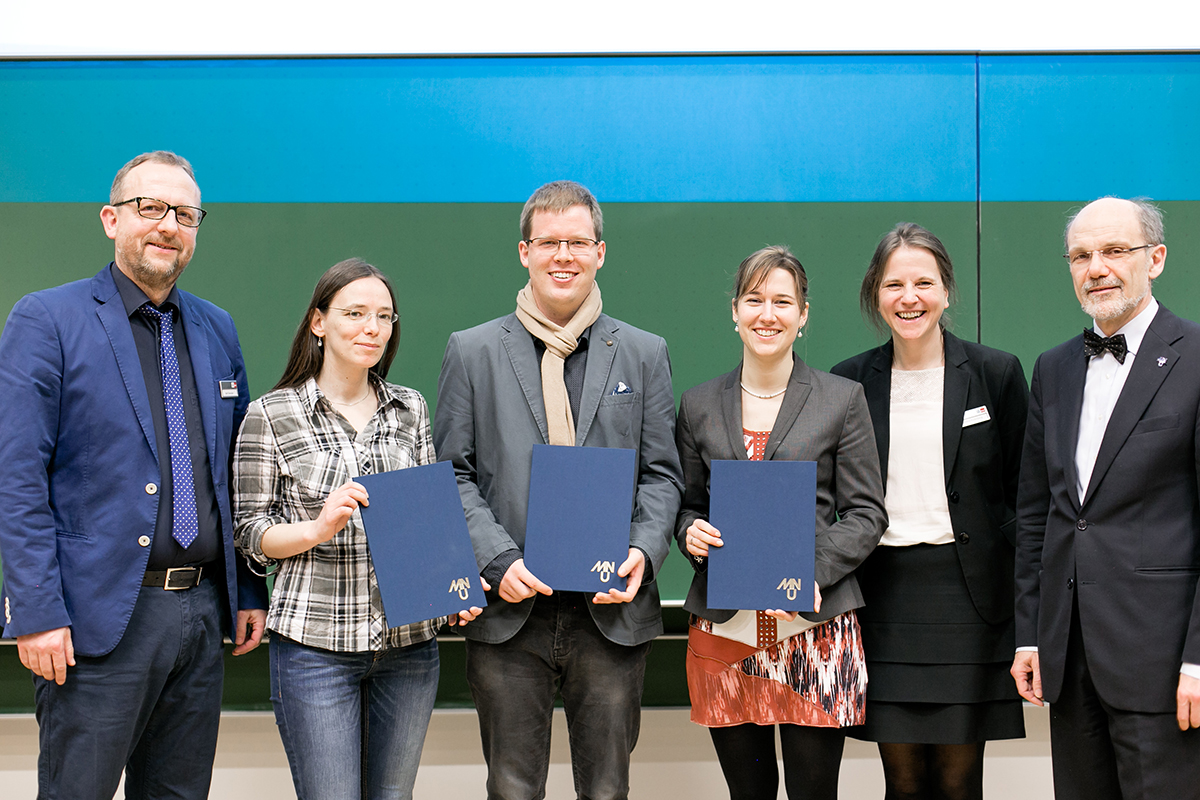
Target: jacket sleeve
(454, 440)
(660, 480)
(1033, 507)
(695, 484)
(857, 494)
(31, 382)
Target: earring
(320, 342)
(735, 327)
(799, 334)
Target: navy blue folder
(766, 512)
(419, 544)
(580, 507)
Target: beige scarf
(560, 343)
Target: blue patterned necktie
(185, 526)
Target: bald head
(1148, 217)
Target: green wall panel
(669, 268)
(1029, 302)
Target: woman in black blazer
(949, 421)
(747, 670)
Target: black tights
(933, 771)
(811, 760)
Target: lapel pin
(609, 342)
(1162, 360)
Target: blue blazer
(79, 468)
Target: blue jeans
(150, 707)
(351, 721)
(513, 684)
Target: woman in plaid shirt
(352, 696)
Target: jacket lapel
(111, 312)
(600, 357)
(955, 390)
(1069, 378)
(731, 413)
(518, 343)
(799, 387)
(877, 386)
(198, 337)
(1145, 378)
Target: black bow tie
(1094, 345)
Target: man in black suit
(1108, 525)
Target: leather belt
(174, 579)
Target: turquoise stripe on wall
(1067, 127)
(633, 129)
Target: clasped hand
(700, 536)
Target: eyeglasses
(357, 315)
(1109, 255)
(148, 207)
(549, 247)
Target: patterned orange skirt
(817, 677)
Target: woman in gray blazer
(750, 670)
(938, 626)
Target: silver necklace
(350, 405)
(762, 396)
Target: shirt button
(151, 488)
(144, 541)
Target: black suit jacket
(1129, 554)
(980, 461)
(823, 419)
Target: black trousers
(1105, 753)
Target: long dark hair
(305, 359)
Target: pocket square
(622, 388)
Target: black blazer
(981, 460)
(823, 419)
(1129, 555)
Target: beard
(157, 275)
(1113, 307)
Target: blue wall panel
(647, 129)
(1081, 127)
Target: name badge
(974, 416)
(228, 389)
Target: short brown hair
(758, 265)
(156, 156)
(905, 234)
(557, 197)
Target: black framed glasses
(547, 246)
(150, 208)
(1107, 254)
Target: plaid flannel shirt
(291, 453)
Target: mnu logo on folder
(462, 586)
(606, 569)
(792, 585)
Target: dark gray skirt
(937, 672)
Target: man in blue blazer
(560, 372)
(122, 396)
(1108, 525)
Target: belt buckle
(189, 579)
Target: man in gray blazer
(558, 371)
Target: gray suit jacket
(824, 419)
(489, 415)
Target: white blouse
(918, 512)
